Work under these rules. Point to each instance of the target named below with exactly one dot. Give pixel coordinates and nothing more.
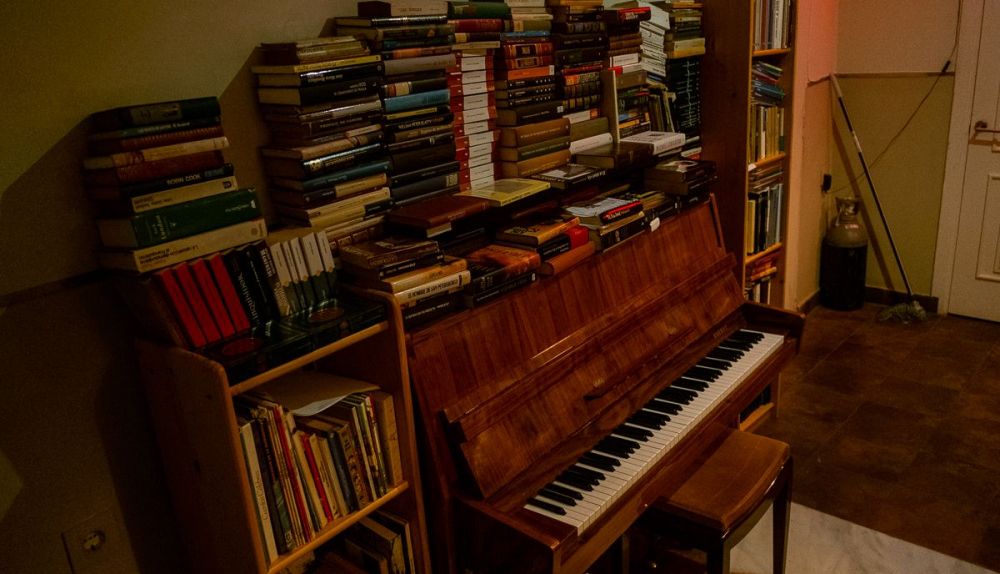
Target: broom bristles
(904, 313)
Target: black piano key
(547, 506)
(702, 374)
(646, 420)
(575, 481)
(725, 354)
(592, 474)
(663, 407)
(745, 335)
(675, 395)
(620, 452)
(714, 363)
(564, 491)
(634, 433)
(629, 445)
(560, 498)
(689, 384)
(614, 462)
(596, 463)
(736, 344)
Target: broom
(909, 310)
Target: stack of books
(681, 181)
(528, 16)
(581, 49)
(672, 37)
(473, 89)
(325, 160)
(767, 117)
(624, 38)
(424, 281)
(610, 220)
(162, 186)
(559, 239)
(496, 269)
(416, 49)
(379, 542)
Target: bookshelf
(734, 45)
(191, 402)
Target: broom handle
(871, 184)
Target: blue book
(418, 100)
(330, 179)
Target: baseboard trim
(810, 303)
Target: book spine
(535, 165)
(422, 64)
(179, 221)
(317, 447)
(526, 135)
(298, 495)
(301, 274)
(153, 170)
(256, 480)
(109, 146)
(257, 280)
(343, 469)
(272, 279)
(227, 290)
(123, 192)
(284, 538)
(198, 305)
(121, 139)
(414, 86)
(385, 414)
(417, 100)
(367, 448)
(138, 156)
(281, 267)
(329, 263)
(565, 261)
(212, 296)
(242, 286)
(471, 300)
(167, 280)
(157, 113)
(316, 270)
(310, 482)
(433, 287)
(338, 177)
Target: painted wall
(75, 441)
(884, 78)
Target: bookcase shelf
(191, 404)
(727, 119)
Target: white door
(975, 280)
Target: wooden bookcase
(191, 402)
(726, 123)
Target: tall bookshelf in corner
(194, 410)
(747, 75)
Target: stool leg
(782, 512)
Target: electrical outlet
(99, 545)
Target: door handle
(980, 127)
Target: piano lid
(500, 386)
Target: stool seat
(726, 496)
(730, 483)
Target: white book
(257, 486)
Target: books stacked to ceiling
(478, 28)
(203, 276)
(624, 38)
(528, 16)
(527, 103)
(325, 163)
(581, 48)
(767, 116)
(416, 49)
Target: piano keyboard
(582, 493)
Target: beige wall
(887, 71)
(74, 438)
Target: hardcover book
(538, 232)
(505, 191)
(437, 211)
(385, 251)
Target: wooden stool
(726, 496)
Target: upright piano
(552, 417)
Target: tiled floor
(897, 428)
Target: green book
(179, 221)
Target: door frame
(966, 62)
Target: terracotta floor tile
(805, 434)
(937, 371)
(915, 396)
(870, 360)
(953, 479)
(968, 328)
(972, 440)
(846, 377)
(839, 492)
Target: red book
(314, 471)
(197, 302)
(230, 298)
(278, 412)
(477, 25)
(212, 297)
(578, 235)
(168, 282)
(156, 169)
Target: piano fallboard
(511, 393)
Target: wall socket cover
(99, 545)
